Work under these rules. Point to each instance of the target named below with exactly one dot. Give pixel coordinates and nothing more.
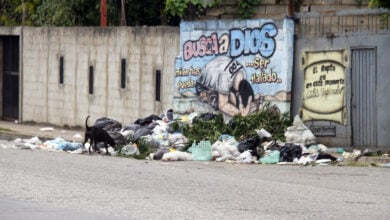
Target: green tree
(68, 13)
(188, 9)
(17, 12)
(48, 12)
(56, 13)
(147, 12)
(246, 8)
(379, 4)
(82, 12)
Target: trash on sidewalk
(298, 133)
(177, 156)
(162, 138)
(47, 129)
(129, 150)
(201, 151)
(59, 144)
(32, 143)
(271, 158)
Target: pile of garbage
(159, 138)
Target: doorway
(10, 78)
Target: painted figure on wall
(234, 67)
(223, 84)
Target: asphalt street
(38, 184)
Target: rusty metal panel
(363, 97)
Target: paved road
(38, 184)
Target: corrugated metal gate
(363, 97)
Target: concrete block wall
(1, 77)
(276, 9)
(146, 49)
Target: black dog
(96, 135)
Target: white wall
(146, 49)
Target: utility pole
(123, 13)
(103, 13)
(291, 8)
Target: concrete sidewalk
(11, 130)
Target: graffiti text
(264, 77)
(258, 63)
(254, 41)
(240, 42)
(187, 72)
(186, 84)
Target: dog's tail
(86, 123)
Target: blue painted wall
(216, 55)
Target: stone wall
(277, 9)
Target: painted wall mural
(234, 66)
(324, 86)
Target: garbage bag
(141, 132)
(130, 149)
(299, 133)
(108, 124)
(132, 127)
(289, 152)
(177, 141)
(226, 147)
(68, 146)
(250, 144)
(117, 137)
(207, 116)
(147, 120)
(160, 153)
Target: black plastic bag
(108, 124)
(250, 144)
(289, 152)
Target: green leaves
(240, 127)
(188, 8)
(246, 8)
(379, 4)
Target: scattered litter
(299, 133)
(226, 147)
(32, 143)
(68, 146)
(305, 160)
(59, 144)
(161, 138)
(77, 136)
(130, 150)
(177, 156)
(286, 163)
(77, 151)
(245, 157)
(323, 161)
(47, 129)
(201, 151)
(271, 158)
